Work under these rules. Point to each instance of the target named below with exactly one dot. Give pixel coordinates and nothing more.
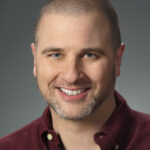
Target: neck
(70, 131)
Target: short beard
(83, 114)
(89, 108)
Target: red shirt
(125, 130)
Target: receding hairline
(81, 7)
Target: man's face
(74, 63)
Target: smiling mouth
(73, 92)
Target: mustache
(84, 83)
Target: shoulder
(141, 118)
(142, 123)
(140, 132)
(21, 137)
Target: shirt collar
(116, 128)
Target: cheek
(46, 72)
(97, 72)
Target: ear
(34, 63)
(119, 54)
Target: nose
(72, 71)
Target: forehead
(86, 27)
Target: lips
(73, 94)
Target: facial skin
(74, 55)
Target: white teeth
(72, 92)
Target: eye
(55, 55)
(90, 55)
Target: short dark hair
(84, 6)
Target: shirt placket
(53, 141)
(105, 142)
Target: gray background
(20, 101)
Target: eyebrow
(94, 49)
(51, 49)
(84, 50)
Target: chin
(75, 112)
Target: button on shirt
(126, 129)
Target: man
(77, 57)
